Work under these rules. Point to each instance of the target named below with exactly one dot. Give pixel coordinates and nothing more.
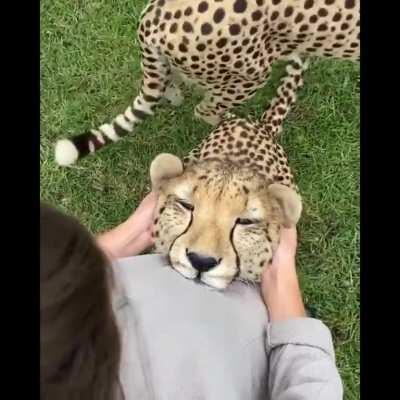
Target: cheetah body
(227, 47)
(229, 199)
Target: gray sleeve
(302, 361)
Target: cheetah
(227, 48)
(220, 210)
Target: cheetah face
(216, 220)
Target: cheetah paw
(174, 96)
(229, 115)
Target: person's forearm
(124, 240)
(281, 292)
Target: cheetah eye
(185, 205)
(246, 221)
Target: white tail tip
(65, 152)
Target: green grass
(90, 72)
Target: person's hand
(279, 283)
(132, 236)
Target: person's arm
(300, 349)
(132, 236)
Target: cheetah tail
(68, 151)
(286, 96)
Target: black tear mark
(173, 242)
(237, 273)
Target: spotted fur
(227, 47)
(221, 205)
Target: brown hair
(79, 341)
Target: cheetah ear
(289, 202)
(164, 166)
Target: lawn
(90, 71)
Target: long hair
(79, 340)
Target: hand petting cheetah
(219, 213)
(227, 47)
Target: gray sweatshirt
(185, 341)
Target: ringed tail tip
(66, 152)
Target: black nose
(201, 263)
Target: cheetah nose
(201, 263)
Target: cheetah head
(217, 221)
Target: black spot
(238, 64)
(274, 15)
(275, 2)
(221, 43)
(256, 15)
(234, 29)
(303, 28)
(187, 27)
(250, 50)
(288, 11)
(322, 12)
(203, 7)
(225, 58)
(206, 28)
(182, 47)
(349, 4)
(173, 27)
(188, 11)
(344, 26)
(329, 2)
(201, 47)
(240, 6)
(313, 19)
(322, 27)
(337, 17)
(299, 18)
(178, 14)
(153, 85)
(219, 15)
(308, 4)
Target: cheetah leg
(173, 92)
(156, 78)
(217, 104)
